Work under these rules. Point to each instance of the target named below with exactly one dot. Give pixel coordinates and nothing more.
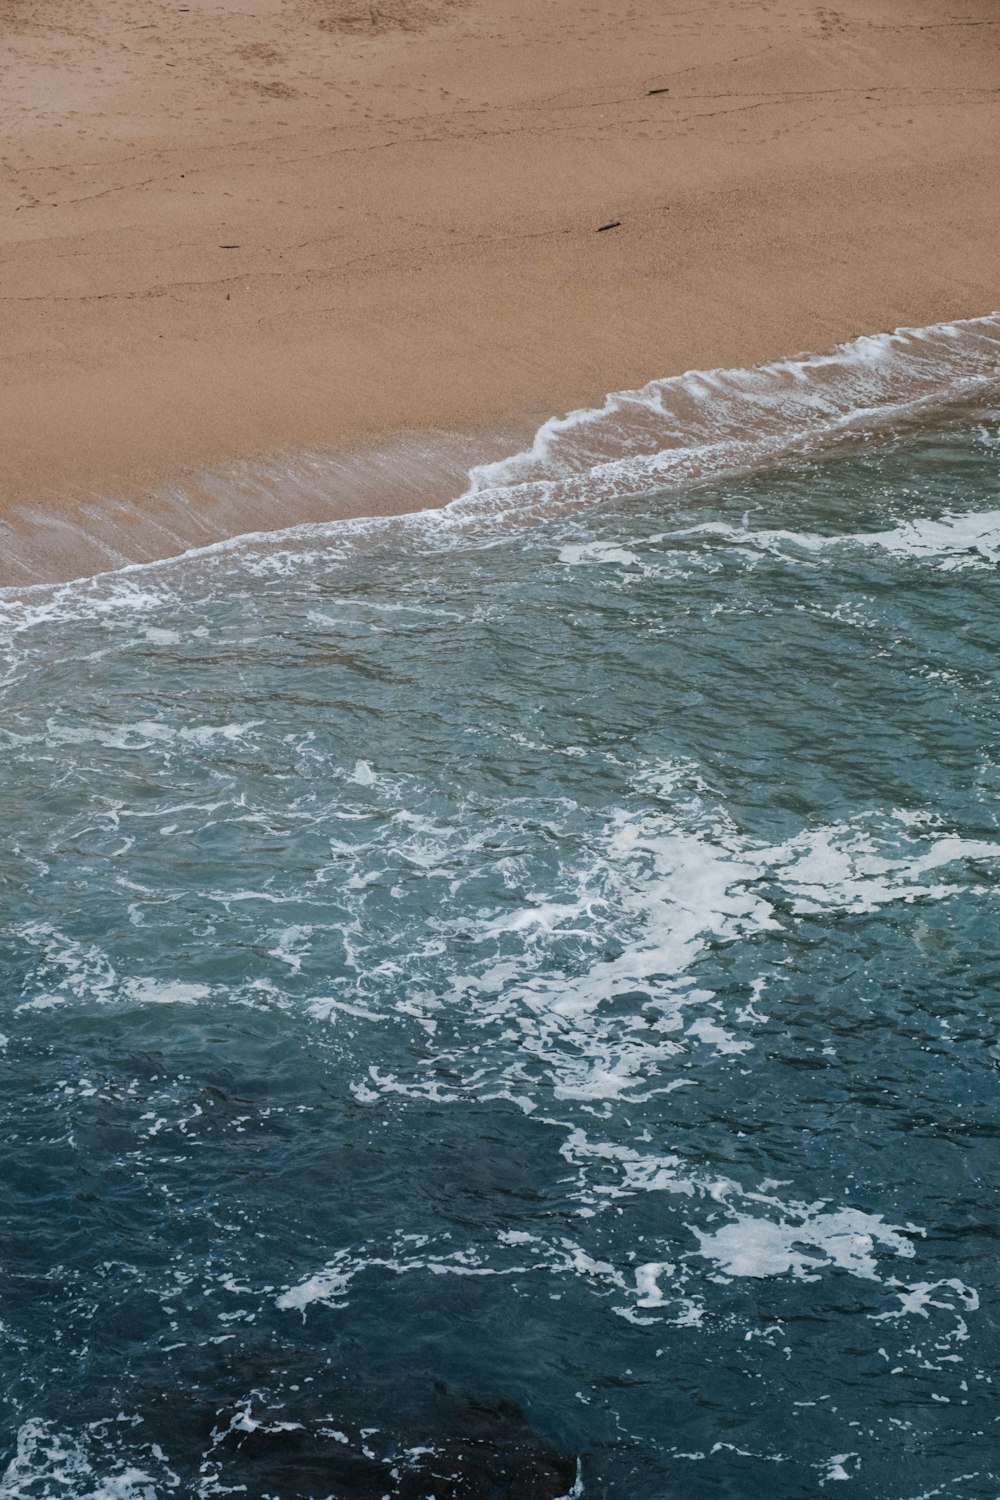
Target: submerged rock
(463, 1449)
(287, 1423)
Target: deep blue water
(493, 1011)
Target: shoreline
(671, 436)
(340, 230)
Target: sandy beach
(236, 229)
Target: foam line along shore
(670, 435)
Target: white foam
(647, 1283)
(834, 1470)
(243, 1421)
(63, 1466)
(707, 421)
(165, 991)
(841, 868)
(918, 1298)
(596, 976)
(66, 970)
(762, 1236)
(954, 541)
(713, 1035)
(672, 431)
(290, 944)
(145, 734)
(802, 1246)
(329, 1286)
(573, 555)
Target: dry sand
(237, 227)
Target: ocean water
(505, 1004)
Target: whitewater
(502, 1001)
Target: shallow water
(492, 1012)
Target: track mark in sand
(161, 289)
(120, 187)
(365, 17)
(928, 25)
(831, 22)
(273, 90)
(260, 52)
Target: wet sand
(235, 229)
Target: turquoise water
(512, 1011)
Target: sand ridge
(231, 228)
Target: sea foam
(673, 432)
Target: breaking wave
(669, 434)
